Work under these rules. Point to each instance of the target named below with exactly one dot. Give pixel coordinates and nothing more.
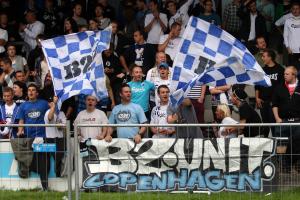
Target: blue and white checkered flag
(235, 64)
(75, 62)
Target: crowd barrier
(164, 165)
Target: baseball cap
(163, 64)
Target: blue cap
(163, 64)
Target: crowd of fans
(138, 68)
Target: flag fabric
(75, 63)
(234, 63)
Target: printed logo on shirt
(124, 116)
(273, 76)
(34, 114)
(295, 25)
(138, 89)
(89, 120)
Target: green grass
(38, 195)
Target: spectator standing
(127, 113)
(109, 11)
(91, 115)
(231, 22)
(55, 135)
(178, 15)
(263, 95)
(159, 114)
(19, 63)
(8, 113)
(156, 23)
(51, 20)
(77, 10)
(209, 15)
(285, 103)
(247, 115)
(184, 114)
(32, 29)
(169, 43)
(253, 24)
(291, 36)
(7, 77)
(140, 53)
(70, 26)
(103, 22)
(140, 90)
(32, 112)
(267, 10)
(141, 13)
(20, 92)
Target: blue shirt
(140, 92)
(127, 114)
(213, 19)
(33, 113)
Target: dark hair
(270, 53)
(6, 60)
(295, 3)
(205, 1)
(41, 37)
(8, 89)
(21, 85)
(144, 1)
(10, 44)
(162, 86)
(154, 1)
(33, 85)
(123, 86)
(258, 37)
(141, 32)
(73, 23)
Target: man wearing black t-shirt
(263, 95)
(247, 114)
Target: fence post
(68, 135)
(77, 197)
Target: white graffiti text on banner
(237, 164)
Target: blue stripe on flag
(56, 73)
(188, 62)
(224, 48)
(209, 51)
(185, 46)
(86, 51)
(199, 37)
(82, 36)
(248, 60)
(226, 71)
(242, 77)
(65, 59)
(221, 82)
(59, 41)
(73, 47)
(52, 53)
(239, 45)
(77, 85)
(176, 73)
(214, 30)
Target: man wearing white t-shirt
(169, 43)
(155, 23)
(159, 114)
(91, 115)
